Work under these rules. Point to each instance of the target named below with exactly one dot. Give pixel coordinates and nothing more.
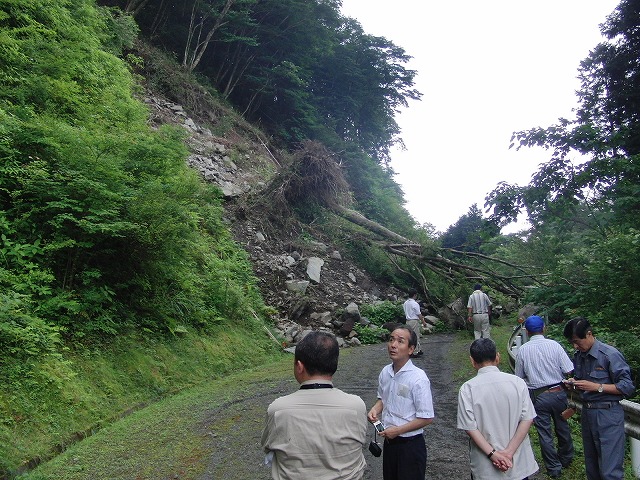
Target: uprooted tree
(315, 175)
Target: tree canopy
(584, 202)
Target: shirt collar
(536, 338)
(488, 369)
(309, 382)
(405, 367)
(593, 351)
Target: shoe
(554, 475)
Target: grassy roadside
(150, 441)
(160, 442)
(94, 389)
(501, 332)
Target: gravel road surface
(235, 429)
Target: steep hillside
(236, 157)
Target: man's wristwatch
(601, 388)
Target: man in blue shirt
(604, 378)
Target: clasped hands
(502, 460)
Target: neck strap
(313, 386)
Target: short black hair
(318, 351)
(577, 327)
(413, 338)
(483, 350)
(477, 286)
(412, 292)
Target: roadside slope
(213, 432)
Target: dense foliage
(104, 231)
(104, 226)
(302, 71)
(586, 214)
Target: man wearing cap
(479, 307)
(544, 364)
(603, 377)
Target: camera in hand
(379, 426)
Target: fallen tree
(315, 174)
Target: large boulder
(454, 315)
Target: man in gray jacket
(319, 431)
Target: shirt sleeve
(466, 417)
(266, 433)
(566, 365)
(519, 371)
(621, 373)
(422, 398)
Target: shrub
(383, 312)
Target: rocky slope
(242, 165)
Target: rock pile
(308, 282)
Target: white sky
(485, 69)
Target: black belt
(479, 313)
(402, 439)
(549, 388)
(599, 404)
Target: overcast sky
(485, 69)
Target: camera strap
(310, 386)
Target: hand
(390, 432)
(372, 416)
(586, 385)
(502, 460)
(470, 319)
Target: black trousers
(404, 458)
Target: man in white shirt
(414, 318)
(404, 407)
(544, 364)
(479, 307)
(495, 410)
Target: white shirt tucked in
(406, 395)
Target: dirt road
(235, 429)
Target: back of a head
(319, 352)
(483, 350)
(477, 286)
(577, 327)
(412, 292)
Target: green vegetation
(119, 280)
(148, 442)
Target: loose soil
(235, 437)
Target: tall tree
(587, 215)
(606, 131)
